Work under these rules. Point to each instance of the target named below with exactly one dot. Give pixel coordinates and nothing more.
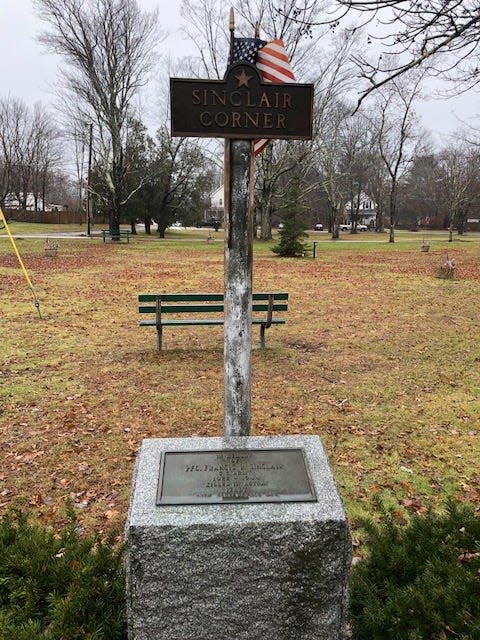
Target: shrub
(420, 580)
(59, 587)
(292, 213)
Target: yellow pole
(17, 253)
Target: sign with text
(232, 476)
(241, 106)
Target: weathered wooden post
(238, 265)
(238, 288)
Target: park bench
(122, 233)
(176, 309)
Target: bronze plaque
(241, 106)
(234, 475)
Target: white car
(348, 227)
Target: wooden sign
(241, 106)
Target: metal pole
(89, 177)
(238, 287)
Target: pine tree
(292, 214)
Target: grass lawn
(379, 357)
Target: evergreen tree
(293, 217)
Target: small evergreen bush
(59, 587)
(421, 580)
(292, 214)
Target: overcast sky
(27, 72)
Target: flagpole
(231, 28)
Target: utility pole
(89, 177)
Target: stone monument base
(236, 571)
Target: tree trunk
(393, 211)
(266, 224)
(379, 224)
(161, 230)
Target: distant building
(367, 210)
(11, 201)
(56, 207)
(216, 199)
(217, 205)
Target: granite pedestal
(247, 571)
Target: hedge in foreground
(59, 587)
(420, 581)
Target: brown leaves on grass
(376, 352)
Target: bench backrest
(207, 302)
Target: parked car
(318, 227)
(215, 224)
(348, 227)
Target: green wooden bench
(176, 309)
(122, 233)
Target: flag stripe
(274, 75)
(274, 66)
(259, 146)
(267, 62)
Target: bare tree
(459, 168)
(328, 155)
(358, 155)
(446, 33)
(396, 133)
(108, 46)
(12, 113)
(28, 151)
(276, 161)
(377, 185)
(46, 153)
(207, 27)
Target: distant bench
(182, 305)
(122, 233)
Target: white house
(367, 210)
(12, 202)
(216, 199)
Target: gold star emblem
(243, 79)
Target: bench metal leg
(262, 336)
(158, 322)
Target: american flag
(274, 66)
(271, 60)
(246, 49)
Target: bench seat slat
(204, 321)
(203, 297)
(206, 308)
(181, 297)
(184, 308)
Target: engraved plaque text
(234, 475)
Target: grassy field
(379, 357)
